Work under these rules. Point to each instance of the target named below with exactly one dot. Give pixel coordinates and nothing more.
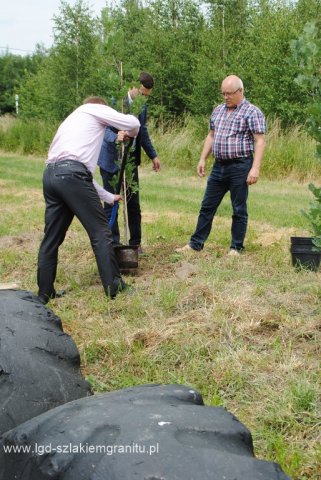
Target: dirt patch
(151, 217)
(9, 286)
(24, 241)
(186, 270)
(270, 236)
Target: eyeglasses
(229, 94)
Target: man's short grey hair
(234, 81)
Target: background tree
(69, 73)
(307, 52)
(13, 71)
(189, 46)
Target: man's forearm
(259, 147)
(207, 148)
(103, 194)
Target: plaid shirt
(233, 132)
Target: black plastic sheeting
(151, 432)
(39, 363)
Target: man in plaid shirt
(236, 139)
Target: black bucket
(127, 257)
(305, 254)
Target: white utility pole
(17, 103)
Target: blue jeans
(223, 178)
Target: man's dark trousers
(230, 176)
(68, 190)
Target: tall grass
(25, 137)
(180, 145)
(289, 153)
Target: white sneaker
(187, 248)
(234, 253)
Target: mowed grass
(244, 331)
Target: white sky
(24, 23)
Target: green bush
(27, 137)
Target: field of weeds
(243, 331)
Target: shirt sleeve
(103, 194)
(211, 125)
(147, 144)
(121, 121)
(256, 122)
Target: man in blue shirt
(109, 165)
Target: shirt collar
(237, 106)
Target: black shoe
(122, 288)
(129, 290)
(59, 294)
(44, 299)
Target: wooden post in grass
(125, 214)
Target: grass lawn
(243, 331)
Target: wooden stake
(125, 212)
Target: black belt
(65, 163)
(229, 161)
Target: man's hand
(205, 153)
(122, 136)
(259, 146)
(253, 176)
(201, 168)
(117, 198)
(156, 164)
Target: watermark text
(83, 448)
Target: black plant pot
(305, 254)
(127, 257)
